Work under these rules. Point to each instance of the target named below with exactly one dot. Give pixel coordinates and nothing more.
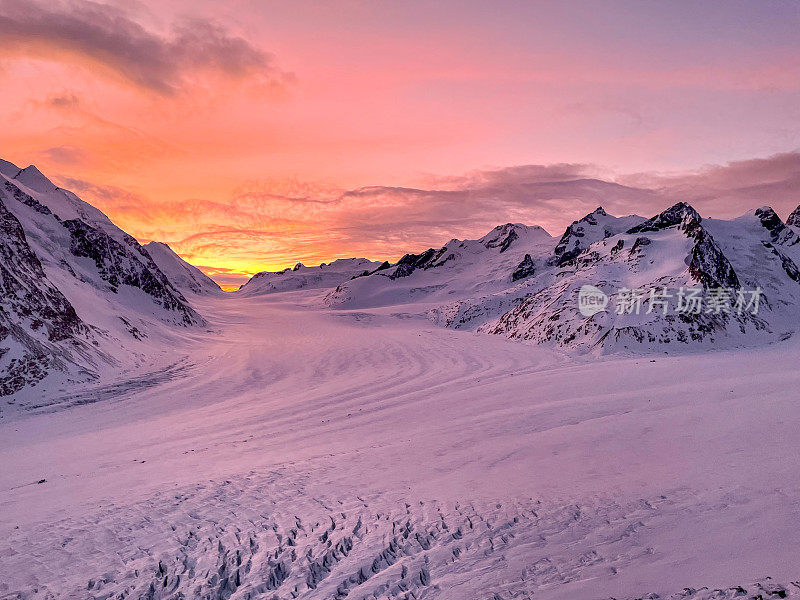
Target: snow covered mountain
(80, 296)
(303, 277)
(460, 269)
(594, 227)
(745, 270)
(520, 283)
(185, 277)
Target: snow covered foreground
(302, 452)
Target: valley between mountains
(417, 429)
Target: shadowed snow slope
(185, 277)
(80, 297)
(331, 454)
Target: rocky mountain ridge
(79, 294)
(537, 298)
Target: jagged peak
(768, 215)
(34, 179)
(590, 218)
(597, 212)
(675, 215)
(8, 168)
(793, 220)
(772, 223)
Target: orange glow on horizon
(244, 138)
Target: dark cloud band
(109, 36)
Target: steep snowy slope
(185, 277)
(80, 282)
(461, 269)
(34, 315)
(646, 273)
(303, 277)
(793, 220)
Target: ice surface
(327, 453)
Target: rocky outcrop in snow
(34, 315)
(595, 226)
(524, 269)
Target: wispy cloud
(65, 155)
(729, 190)
(64, 100)
(163, 63)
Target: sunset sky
(250, 135)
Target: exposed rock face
(427, 260)
(708, 265)
(638, 244)
(584, 232)
(32, 311)
(121, 265)
(525, 269)
(502, 237)
(675, 215)
(793, 220)
(778, 232)
(572, 243)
